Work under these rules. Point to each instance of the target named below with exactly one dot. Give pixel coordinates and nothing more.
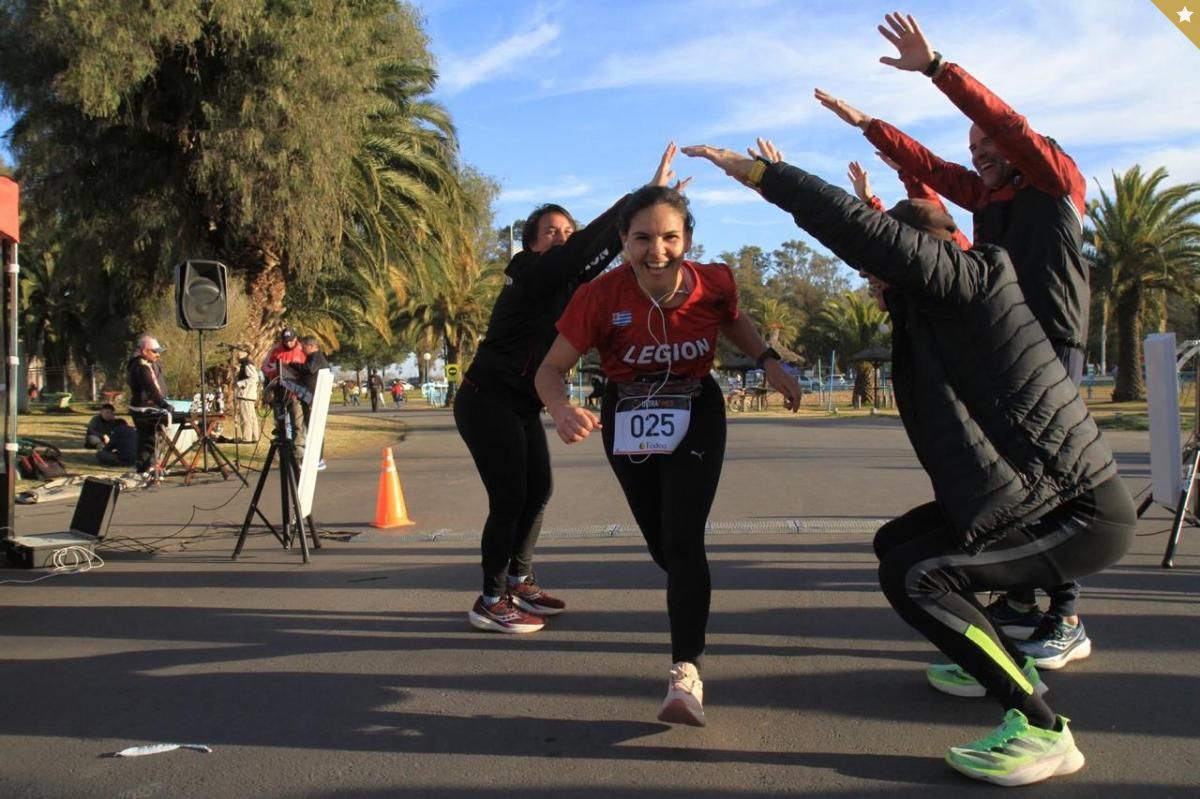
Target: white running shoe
(685, 696)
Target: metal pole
(203, 404)
(11, 270)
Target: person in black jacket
(314, 363)
(498, 412)
(147, 396)
(1026, 492)
(100, 428)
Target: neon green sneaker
(1017, 753)
(953, 679)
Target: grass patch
(1125, 421)
(344, 434)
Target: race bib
(651, 426)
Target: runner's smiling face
(993, 167)
(655, 245)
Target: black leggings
(670, 496)
(513, 460)
(932, 583)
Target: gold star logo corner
(1181, 17)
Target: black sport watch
(761, 360)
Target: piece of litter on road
(154, 749)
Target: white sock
(490, 600)
(514, 579)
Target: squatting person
(1026, 492)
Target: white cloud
(458, 74)
(568, 188)
(735, 195)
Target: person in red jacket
(1027, 196)
(291, 356)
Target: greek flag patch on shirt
(622, 318)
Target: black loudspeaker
(200, 296)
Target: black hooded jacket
(537, 287)
(990, 411)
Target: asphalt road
(356, 675)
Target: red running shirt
(614, 315)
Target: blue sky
(572, 101)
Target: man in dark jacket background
(1025, 488)
(314, 363)
(147, 396)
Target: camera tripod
(294, 524)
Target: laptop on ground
(89, 525)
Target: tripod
(1191, 460)
(293, 525)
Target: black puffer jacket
(988, 407)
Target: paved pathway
(357, 676)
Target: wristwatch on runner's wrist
(761, 360)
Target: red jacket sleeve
(1039, 159)
(960, 185)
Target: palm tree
(780, 325)
(251, 136)
(1143, 238)
(853, 322)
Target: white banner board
(1162, 400)
(314, 440)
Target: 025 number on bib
(651, 425)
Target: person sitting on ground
(113, 439)
(100, 428)
(1026, 491)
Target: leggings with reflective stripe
(932, 583)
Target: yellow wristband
(756, 172)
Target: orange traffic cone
(389, 503)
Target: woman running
(655, 321)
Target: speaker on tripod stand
(201, 303)
(200, 295)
